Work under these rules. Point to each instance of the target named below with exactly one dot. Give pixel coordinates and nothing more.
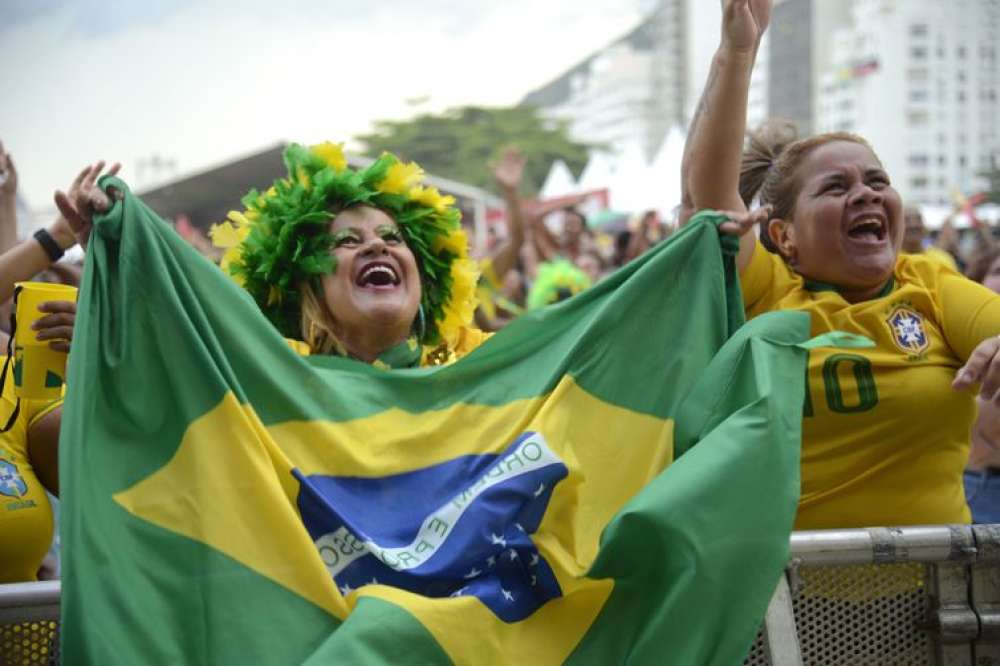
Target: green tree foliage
(459, 143)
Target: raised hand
(510, 169)
(8, 175)
(84, 199)
(740, 222)
(744, 23)
(983, 368)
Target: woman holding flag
(521, 505)
(872, 453)
(370, 264)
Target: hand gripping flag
(609, 480)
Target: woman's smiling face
(375, 290)
(847, 224)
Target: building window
(918, 95)
(960, 52)
(918, 183)
(918, 160)
(918, 52)
(942, 160)
(917, 118)
(918, 30)
(917, 74)
(961, 96)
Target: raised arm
(34, 255)
(546, 245)
(710, 170)
(8, 201)
(509, 172)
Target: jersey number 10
(861, 368)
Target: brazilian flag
(610, 480)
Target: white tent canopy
(599, 172)
(667, 169)
(559, 182)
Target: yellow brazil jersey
(25, 513)
(884, 436)
(939, 255)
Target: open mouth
(378, 275)
(869, 228)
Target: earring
(421, 323)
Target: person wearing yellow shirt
(915, 239)
(27, 469)
(29, 448)
(886, 429)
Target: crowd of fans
(547, 253)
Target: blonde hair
(317, 324)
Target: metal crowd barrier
(29, 624)
(886, 595)
(860, 597)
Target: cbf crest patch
(907, 328)
(11, 483)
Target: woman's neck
(370, 344)
(860, 295)
(851, 294)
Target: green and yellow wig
(556, 281)
(282, 239)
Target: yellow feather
(239, 218)
(332, 154)
(226, 235)
(431, 197)
(455, 242)
(400, 178)
(303, 177)
(461, 306)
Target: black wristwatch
(49, 244)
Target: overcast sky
(204, 82)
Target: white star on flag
(506, 594)
(491, 561)
(458, 593)
(534, 560)
(513, 554)
(345, 589)
(541, 489)
(472, 574)
(498, 540)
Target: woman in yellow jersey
(370, 264)
(29, 449)
(886, 430)
(27, 469)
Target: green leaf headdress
(556, 280)
(283, 237)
